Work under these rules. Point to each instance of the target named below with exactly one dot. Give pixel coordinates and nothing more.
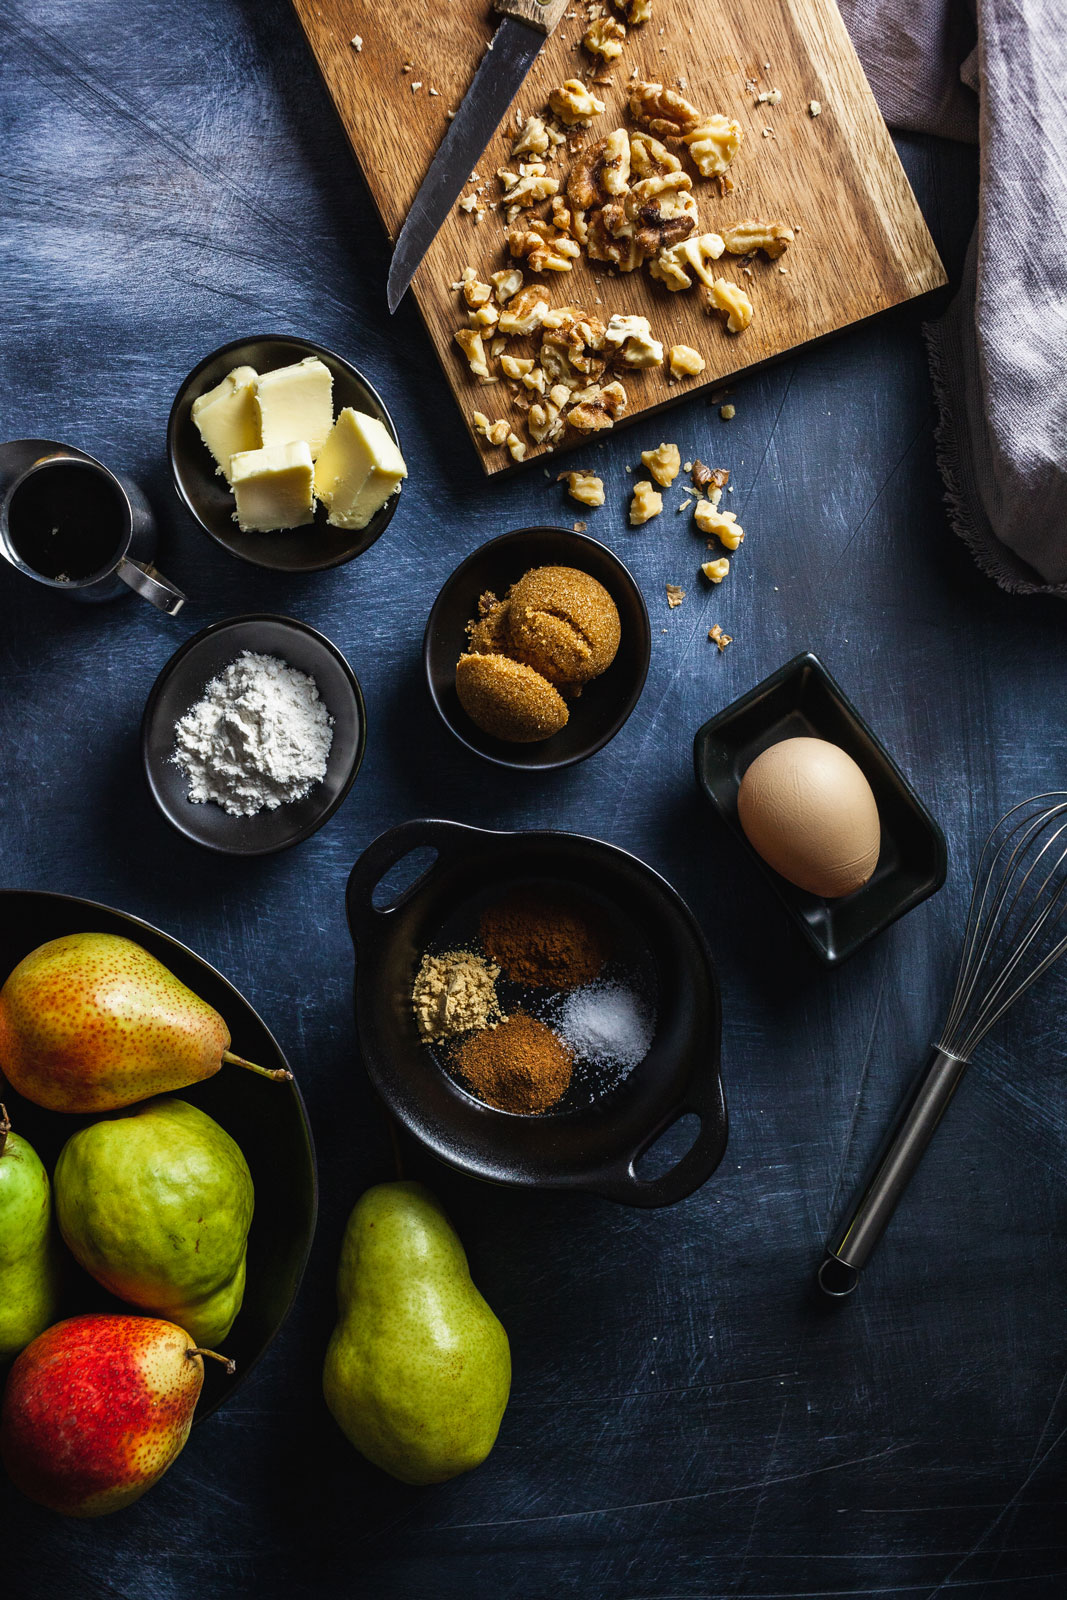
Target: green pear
(418, 1369)
(91, 1022)
(156, 1203)
(29, 1254)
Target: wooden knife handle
(540, 14)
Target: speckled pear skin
(156, 1204)
(30, 1263)
(96, 1409)
(91, 1022)
(418, 1370)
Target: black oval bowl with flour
(181, 685)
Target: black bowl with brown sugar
(605, 702)
(549, 910)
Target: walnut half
(770, 237)
(661, 110)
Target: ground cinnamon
(542, 938)
(519, 1066)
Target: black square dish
(801, 699)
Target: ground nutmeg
(520, 1066)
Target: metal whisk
(1013, 935)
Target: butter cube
(272, 487)
(227, 418)
(358, 468)
(295, 403)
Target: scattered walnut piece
(715, 571)
(713, 144)
(646, 503)
(719, 638)
(770, 237)
(475, 293)
(664, 463)
(814, 108)
(604, 37)
(471, 204)
(660, 211)
(732, 301)
(526, 188)
(525, 311)
(663, 111)
(769, 97)
(507, 283)
(470, 342)
(541, 246)
(675, 596)
(533, 140)
(674, 265)
(545, 421)
(727, 413)
(598, 408)
(585, 487)
(516, 447)
(635, 11)
(534, 380)
(516, 366)
(574, 104)
(684, 361)
(631, 339)
(356, 42)
(711, 478)
(723, 524)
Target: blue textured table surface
(687, 1420)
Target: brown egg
(809, 811)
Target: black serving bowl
(593, 1147)
(268, 1121)
(207, 495)
(181, 684)
(604, 705)
(802, 699)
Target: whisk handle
(849, 1248)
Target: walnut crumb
(675, 596)
(719, 638)
(357, 45)
(580, 527)
(814, 108)
(727, 413)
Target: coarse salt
(606, 1023)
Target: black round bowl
(593, 1148)
(181, 684)
(207, 495)
(604, 705)
(268, 1121)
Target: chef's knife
(523, 29)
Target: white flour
(259, 737)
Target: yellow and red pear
(92, 1022)
(96, 1409)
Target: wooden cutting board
(861, 246)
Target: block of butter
(295, 403)
(227, 418)
(273, 487)
(357, 470)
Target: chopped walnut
(661, 211)
(635, 11)
(497, 346)
(600, 171)
(516, 366)
(471, 204)
(541, 246)
(715, 571)
(604, 38)
(470, 342)
(507, 283)
(610, 237)
(525, 311)
(713, 144)
(663, 111)
(646, 503)
(674, 265)
(664, 463)
(684, 361)
(723, 524)
(675, 595)
(719, 638)
(485, 316)
(598, 408)
(492, 432)
(526, 189)
(516, 447)
(571, 343)
(475, 293)
(574, 104)
(631, 339)
(714, 479)
(533, 140)
(585, 487)
(544, 421)
(649, 157)
(770, 237)
(732, 301)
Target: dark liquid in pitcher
(67, 521)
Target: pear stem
(5, 1126)
(279, 1074)
(228, 1363)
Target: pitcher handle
(152, 585)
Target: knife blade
(523, 29)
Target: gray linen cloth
(999, 354)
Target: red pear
(97, 1408)
(91, 1022)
